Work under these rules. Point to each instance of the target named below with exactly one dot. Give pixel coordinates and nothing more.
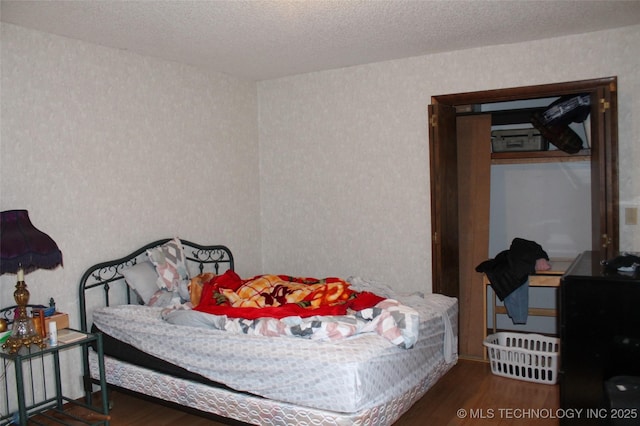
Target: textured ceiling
(268, 39)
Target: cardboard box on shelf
(42, 323)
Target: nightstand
(34, 374)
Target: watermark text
(548, 413)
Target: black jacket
(511, 268)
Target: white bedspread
(349, 375)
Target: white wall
(344, 153)
(109, 151)
(549, 203)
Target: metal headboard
(108, 275)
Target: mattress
(353, 378)
(252, 409)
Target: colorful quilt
(279, 305)
(279, 296)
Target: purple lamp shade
(22, 245)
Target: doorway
(460, 156)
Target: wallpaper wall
(109, 151)
(344, 153)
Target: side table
(35, 395)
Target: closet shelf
(553, 156)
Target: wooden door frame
(604, 165)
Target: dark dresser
(599, 335)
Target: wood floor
(467, 395)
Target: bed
(360, 367)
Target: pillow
(163, 298)
(143, 279)
(183, 291)
(169, 261)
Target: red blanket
(279, 296)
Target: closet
(461, 161)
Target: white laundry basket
(525, 356)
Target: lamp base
(13, 344)
(23, 331)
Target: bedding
(365, 362)
(279, 296)
(347, 376)
(389, 318)
(278, 305)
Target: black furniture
(32, 385)
(599, 336)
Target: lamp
(23, 249)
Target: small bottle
(53, 334)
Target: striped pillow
(170, 264)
